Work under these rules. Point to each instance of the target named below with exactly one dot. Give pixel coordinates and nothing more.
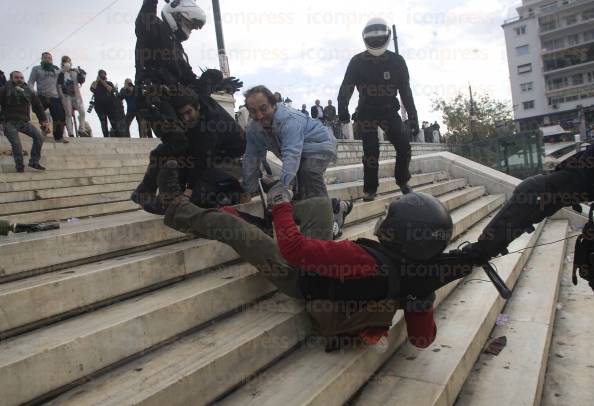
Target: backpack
(81, 76)
(67, 85)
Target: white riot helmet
(183, 16)
(377, 35)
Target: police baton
(500, 285)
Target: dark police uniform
(378, 80)
(536, 198)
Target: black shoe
(405, 189)
(20, 170)
(37, 166)
(344, 209)
(369, 197)
(143, 196)
(169, 188)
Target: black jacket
(215, 138)
(159, 54)
(378, 81)
(314, 112)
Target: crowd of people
(208, 162)
(54, 94)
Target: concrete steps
(47, 296)
(81, 162)
(119, 309)
(521, 365)
(310, 376)
(464, 320)
(14, 182)
(93, 238)
(570, 367)
(188, 382)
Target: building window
(528, 105)
(557, 83)
(573, 39)
(526, 68)
(588, 14)
(571, 20)
(526, 87)
(522, 50)
(591, 76)
(588, 35)
(520, 30)
(548, 23)
(577, 79)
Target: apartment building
(550, 52)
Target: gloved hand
(344, 118)
(278, 194)
(476, 252)
(230, 85)
(413, 125)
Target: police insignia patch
(387, 76)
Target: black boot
(146, 191)
(169, 188)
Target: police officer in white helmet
(379, 75)
(163, 71)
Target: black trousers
(539, 197)
(58, 115)
(391, 124)
(173, 147)
(111, 112)
(144, 129)
(212, 188)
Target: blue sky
(298, 48)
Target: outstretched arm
(332, 259)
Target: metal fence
(519, 155)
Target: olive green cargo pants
(314, 215)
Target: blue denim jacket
(294, 136)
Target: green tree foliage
(489, 115)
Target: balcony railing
(554, 8)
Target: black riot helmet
(376, 36)
(417, 226)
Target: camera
(91, 105)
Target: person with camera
(379, 75)
(46, 77)
(129, 94)
(108, 106)
(69, 81)
(16, 101)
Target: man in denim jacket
(305, 146)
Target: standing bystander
(46, 77)
(16, 100)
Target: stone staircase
(117, 309)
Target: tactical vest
(384, 285)
(340, 307)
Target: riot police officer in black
(378, 75)
(539, 197)
(163, 72)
